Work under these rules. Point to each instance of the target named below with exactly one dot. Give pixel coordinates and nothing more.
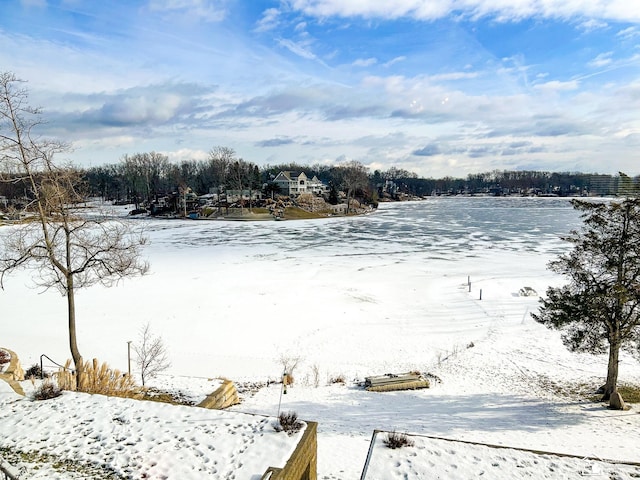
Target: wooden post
(480, 294)
(469, 282)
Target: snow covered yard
(435, 458)
(501, 391)
(122, 438)
(350, 298)
(141, 439)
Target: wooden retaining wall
(224, 396)
(15, 369)
(303, 463)
(14, 373)
(8, 472)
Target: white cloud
(270, 20)
(601, 60)
(622, 10)
(629, 33)
(387, 9)
(443, 77)
(556, 86)
(205, 10)
(185, 154)
(592, 24)
(395, 60)
(365, 62)
(300, 49)
(142, 109)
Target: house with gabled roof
(291, 183)
(316, 186)
(296, 183)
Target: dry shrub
(289, 364)
(288, 422)
(34, 371)
(4, 357)
(630, 393)
(338, 379)
(397, 440)
(96, 378)
(47, 390)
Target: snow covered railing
(8, 472)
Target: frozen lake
(350, 296)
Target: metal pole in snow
(129, 356)
(281, 390)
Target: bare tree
(219, 160)
(353, 176)
(142, 172)
(66, 251)
(289, 364)
(152, 356)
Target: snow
(190, 390)
(459, 460)
(352, 297)
(146, 439)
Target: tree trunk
(612, 370)
(73, 344)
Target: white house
(291, 183)
(296, 183)
(316, 186)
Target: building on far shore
(296, 183)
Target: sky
(436, 87)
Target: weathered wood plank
(390, 379)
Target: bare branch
(152, 356)
(64, 250)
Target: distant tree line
(507, 182)
(142, 177)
